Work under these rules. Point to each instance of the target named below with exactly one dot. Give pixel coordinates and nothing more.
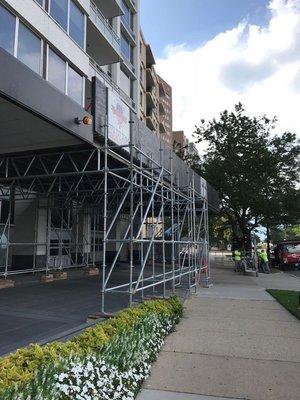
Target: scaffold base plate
(6, 283)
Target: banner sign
(118, 119)
(99, 105)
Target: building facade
(180, 142)
(149, 112)
(165, 111)
(183, 147)
(67, 42)
(155, 96)
(83, 180)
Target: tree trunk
(246, 232)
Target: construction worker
(264, 261)
(237, 260)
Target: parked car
(287, 254)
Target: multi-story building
(165, 111)
(79, 170)
(155, 96)
(67, 42)
(149, 112)
(192, 150)
(180, 143)
(183, 147)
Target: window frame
(17, 30)
(41, 5)
(67, 65)
(67, 31)
(16, 41)
(130, 22)
(127, 41)
(68, 15)
(82, 84)
(47, 69)
(44, 58)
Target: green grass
(288, 299)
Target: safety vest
(237, 255)
(264, 256)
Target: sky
(215, 53)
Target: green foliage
(288, 299)
(255, 171)
(280, 233)
(22, 366)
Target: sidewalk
(235, 341)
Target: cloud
(259, 66)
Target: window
(76, 29)
(57, 68)
(7, 30)
(57, 71)
(127, 17)
(41, 2)
(70, 18)
(59, 11)
(125, 47)
(75, 84)
(29, 48)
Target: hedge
(113, 348)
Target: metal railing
(128, 28)
(128, 64)
(97, 71)
(104, 27)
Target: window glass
(76, 27)
(57, 71)
(59, 11)
(126, 15)
(7, 30)
(125, 47)
(29, 48)
(41, 2)
(75, 82)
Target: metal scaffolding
(117, 207)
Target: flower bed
(108, 361)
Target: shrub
(127, 342)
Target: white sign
(118, 119)
(203, 188)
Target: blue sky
(194, 22)
(221, 52)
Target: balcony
(162, 128)
(128, 31)
(162, 109)
(128, 68)
(133, 4)
(95, 70)
(151, 120)
(151, 78)
(109, 8)
(103, 43)
(151, 100)
(162, 92)
(150, 60)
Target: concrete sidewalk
(235, 341)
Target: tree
(254, 170)
(220, 230)
(280, 233)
